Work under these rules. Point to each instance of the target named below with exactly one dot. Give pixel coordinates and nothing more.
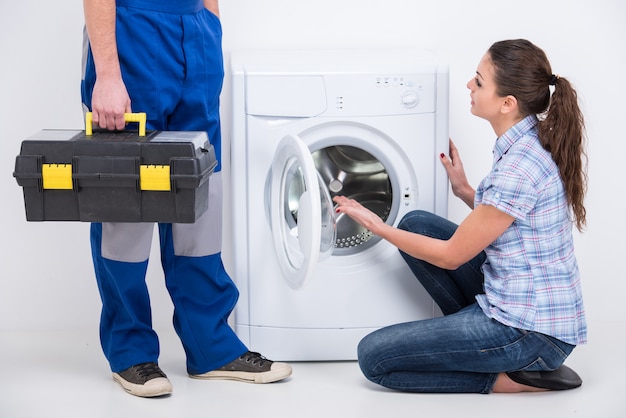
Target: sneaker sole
(248, 377)
(160, 388)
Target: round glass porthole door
(300, 211)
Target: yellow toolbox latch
(154, 177)
(57, 176)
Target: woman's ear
(509, 104)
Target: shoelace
(147, 370)
(254, 358)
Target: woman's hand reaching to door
(359, 213)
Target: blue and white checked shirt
(532, 280)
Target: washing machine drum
(352, 172)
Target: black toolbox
(104, 176)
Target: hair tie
(553, 79)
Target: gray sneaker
(249, 367)
(145, 380)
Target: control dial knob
(410, 99)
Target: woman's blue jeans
(463, 351)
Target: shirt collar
(504, 142)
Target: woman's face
(485, 103)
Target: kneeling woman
(506, 278)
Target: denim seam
(525, 335)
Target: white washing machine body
(308, 125)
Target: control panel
(379, 94)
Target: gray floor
(64, 374)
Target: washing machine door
(301, 212)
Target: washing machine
(309, 125)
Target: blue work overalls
(171, 60)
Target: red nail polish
(442, 155)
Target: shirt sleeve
(509, 192)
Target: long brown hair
(522, 70)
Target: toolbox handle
(128, 117)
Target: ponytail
(562, 133)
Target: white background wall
(47, 282)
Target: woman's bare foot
(504, 384)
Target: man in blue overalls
(164, 57)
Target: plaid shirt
(532, 280)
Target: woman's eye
(478, 82)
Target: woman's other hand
(456, 173)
